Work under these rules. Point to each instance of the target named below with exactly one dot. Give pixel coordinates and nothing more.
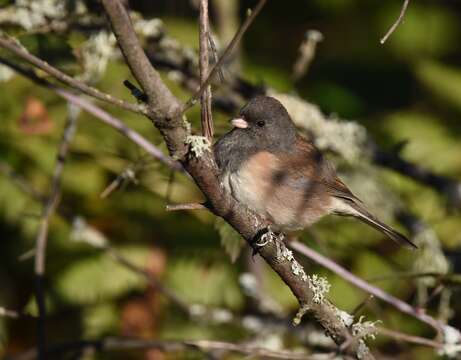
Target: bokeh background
(405, 93)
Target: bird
(266, 165)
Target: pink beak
(239, 123)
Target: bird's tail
(361, 213)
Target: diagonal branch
(362, 284)
(21, 52)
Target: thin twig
(205, 99)
(252, 14)
(307, 51)
(399, 336)
(42, 236)
(20, 51)
(119, 344)
(397, 22)
(362, 284)
(191, 206)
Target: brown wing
(322, 171)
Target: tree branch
(362, 284)
(21, 52)
(99, 114)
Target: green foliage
(443, 81)
(99, 278)
(100, 319)
(231, 240)
(214, 284)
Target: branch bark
(204, 32)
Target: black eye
(261, 123)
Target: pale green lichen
(451, 342)
(362, 351)
(319, 286)
(5, 73)
(83, 232)
(299, 315)
(186, 124)
(283, 253)
(198, 145)
(365, 329)
(346, 318)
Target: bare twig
(252, 14)
(191, 206)
(306, 54)
(42, 236)
(399, 336)
(362, 284)
(397, 22)
(205, 100)
(21, 52)
(119, 344)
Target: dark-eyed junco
(267, 166)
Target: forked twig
(252, 14)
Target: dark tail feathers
(363, 215)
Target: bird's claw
(262, 240)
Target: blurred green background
(406, 90)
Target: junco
(267, 166)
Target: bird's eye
(261, 123)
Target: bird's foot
(265, 238)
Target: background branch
(205, 99)
(42, 236)
(21, 52)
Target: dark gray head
(265, 120)
(263, 124)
